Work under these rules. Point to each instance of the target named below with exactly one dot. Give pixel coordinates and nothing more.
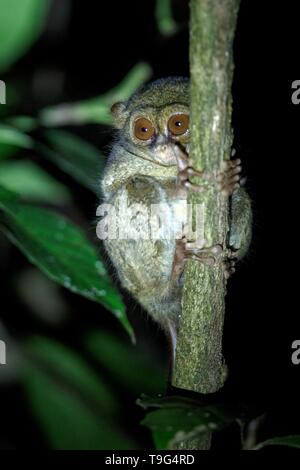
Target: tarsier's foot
(185, 250)
(210, 255)
(206, 255)
(228, 179)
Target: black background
(93, 46)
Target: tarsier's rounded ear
(119, 114)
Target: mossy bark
(199, 364)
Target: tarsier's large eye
(143, 129)
(178, 124)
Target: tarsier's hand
(228, 178)
(186, 170)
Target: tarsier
(149, 164)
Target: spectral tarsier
(149, 164)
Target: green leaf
(70, 366)
(11, 136)
(22, 123)
(76, 157)
(96, 110)
(30, 181)
(290, 441)
(61, 251)
(6, 151)
(166, 402)
(165, 21)
(110, 351)
(74, 407)
(20, 24)
(172, 425)
(12, 139)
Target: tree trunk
(199, 364)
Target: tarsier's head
(155, 119)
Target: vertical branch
(199, 363)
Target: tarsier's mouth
(159, 157)
(164, 154)
(167, 154)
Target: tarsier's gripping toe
(206, 255)
(229, 268)
(229, 263)
(195, 187)
(183, 179)
(229, 177)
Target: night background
(73, 376)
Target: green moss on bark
(199, 364)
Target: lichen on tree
(199, 364)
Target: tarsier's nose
(163, 150)
(161, 142)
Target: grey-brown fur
(145, 267)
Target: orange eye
(143, 129)
(178, 124)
